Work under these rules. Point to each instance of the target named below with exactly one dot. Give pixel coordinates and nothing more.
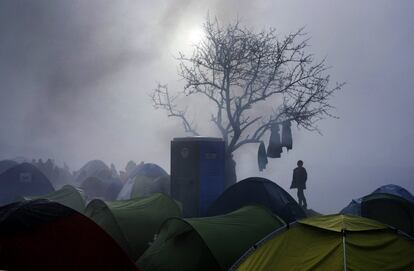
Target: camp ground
(23, 180)
(389, 204)
(258, 191)
(210, 243)
(68, 196)
(133, 223)
(335, 242)
(45, 235)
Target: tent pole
(344, 249)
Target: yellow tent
(334, 242)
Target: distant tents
(94, 168)
(390, 204)
(44, 235)
(133, 223)
(209, 243)
(23, 180)
(147, 169)
(143, 186)
(258, 191)
(335, 242)
(6, 164)
(68, 196)
(106, 189)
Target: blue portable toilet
(197, 172)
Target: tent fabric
(23, 180)
(44, 235)
(133, 223)
(147, 169)
(388, 204)
(258, 191)
(6, 164)
(208, 243)
(106, 189)
(68, 196)
(144, 186)
(396, 190)
(335, 242)
(93, 168)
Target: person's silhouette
(299, 181)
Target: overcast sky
(75, 78)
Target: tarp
(209, 243)
(388, 204)
(47, 236)
(258, 191)
(335, 242)
(69, 196)
(133, 223)
(23, 180)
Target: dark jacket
(299, 178)
(262, 156)
(274, 149)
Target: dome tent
(133, 223)
(44, 235)
(331, 243)
(258, 191)
(147, 169)
(142, 186)
(94, 168)
(68, 196)
(208, 243)
(6, 164)
(106, 189)
(23, 180)
(390, 204)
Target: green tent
(133, 223)
(334, 242)
(209, 243)
(69, 196)
(392, 210)
(144, 186)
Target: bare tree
(242, 72)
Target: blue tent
(23, 180)
(6, 164)
(258, 191)
(389, 204)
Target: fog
(75, 78)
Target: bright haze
(75, 79)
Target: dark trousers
(302, 199)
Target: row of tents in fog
(253, 225)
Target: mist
(75, 79)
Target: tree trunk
(230, 171)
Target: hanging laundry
(275, 147)
(262, 156)
(287, 135)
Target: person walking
(299, 181)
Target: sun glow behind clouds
(195, 35)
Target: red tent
(43, 235)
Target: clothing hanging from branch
(287, 135)
(275, 147)
(262, 156)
